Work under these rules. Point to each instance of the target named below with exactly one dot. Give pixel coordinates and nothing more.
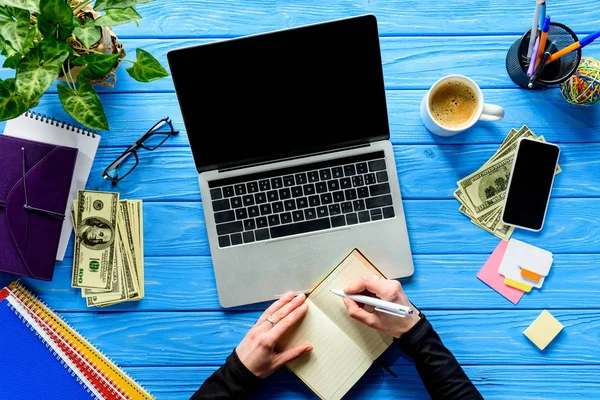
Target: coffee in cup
(453, 104)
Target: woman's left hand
(257, 349)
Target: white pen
(534, 28)
(380, 305)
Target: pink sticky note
(490, 276)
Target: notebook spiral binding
(33, 302)
(52, 121)
(50, 349)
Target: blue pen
(577, 45)
(542, 15)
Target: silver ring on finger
(270, 319)
(377, 277)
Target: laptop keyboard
(308, 198)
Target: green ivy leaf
(88, 33)
(12, 62)
(55, 18)
(146, 68)
(12, 56)
(39, 68)
(22, 4)
(84, 105)
(118, 17)
(16, 29)
(11, 104)
(102, 5)
(98, 65)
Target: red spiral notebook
(92, 375)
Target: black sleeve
(232, 381)
(442, 375)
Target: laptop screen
(282, 94)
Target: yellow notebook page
(334, 365)
(372, 342)
(124, 382)
(343, 349)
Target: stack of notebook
(46, 358)
(44, 162)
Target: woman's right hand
(389, 290)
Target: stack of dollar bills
(108, 265)
(482, 193)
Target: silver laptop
(290, 136)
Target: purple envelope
(35, 179)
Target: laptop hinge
(358, 146)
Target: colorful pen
(542, 14)
(534, 29)
(532, 61)
(577, 45)
(380, 305)
(540, 68)
(543, 38)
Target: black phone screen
(530, 184)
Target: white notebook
(36, 127)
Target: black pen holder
(553, 73)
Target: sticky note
(543, 330)
(490, 276)
(532, 276)
(518, 285)
(519, 254)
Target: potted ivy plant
(72, 41)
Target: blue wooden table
(178, 334)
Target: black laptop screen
(282, 94)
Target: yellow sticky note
(518, 285)
(543, 330)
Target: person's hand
(388, 290)
(257, 349)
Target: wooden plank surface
(435, 226)
(494, 382)
(233, 18)
(175, 337)
(165, 288)
(546, 113)
(408, 62)
(169, 174)
(481, 337)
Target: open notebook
(36, 127)
(343, 349)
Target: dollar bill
(117, 283)
(127, 265)
(511, 146)
(94, 256)
(137, 213)
(482, 193)
(486, 188)
(129, 272)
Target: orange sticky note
(532, 276)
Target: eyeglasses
(150, 140)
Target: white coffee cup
(484, 112)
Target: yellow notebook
(343, 349)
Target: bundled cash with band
(108, 265)
(482, 193)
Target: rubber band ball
(583, 87)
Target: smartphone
(530, 184)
